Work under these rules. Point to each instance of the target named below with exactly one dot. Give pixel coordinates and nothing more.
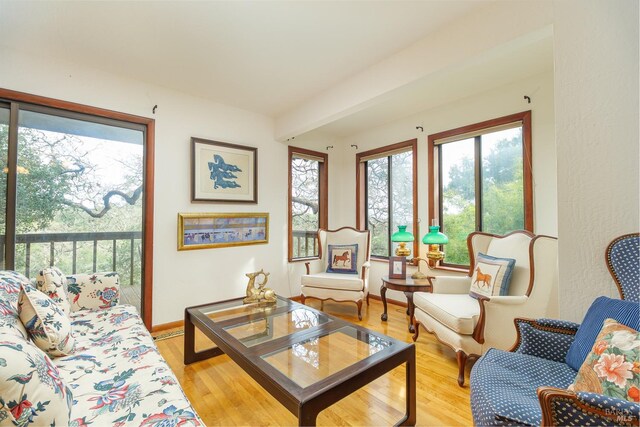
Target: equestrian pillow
(342, 259)
(491, 275)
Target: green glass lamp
(402, 236)
(434, 238)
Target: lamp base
(402, 250)
(418, 275)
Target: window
(481, 181)
(76, 180)
(386, 194)
(307, 201)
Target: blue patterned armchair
(528, 385)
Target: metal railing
(74, 238)
(305, 243)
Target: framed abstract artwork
(219, 230)
(222, 172)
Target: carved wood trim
(607, 258)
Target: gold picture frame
(221, 230)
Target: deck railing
(305, 243)
(28, 240)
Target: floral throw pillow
(93, 291)
(613, 366)
(46, 323)
(31, 389)
(491, 275)
(52, 282)
(342, 259)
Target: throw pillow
(46, 323)
(342, 259)
(10, 282)
(491, 275)
(612, 368)
(52, 282)
(625, 312)
(94, 291)
(31, 389)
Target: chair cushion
(48, 326)
(52, 282)
(341, 259)
(333, 281)
(458, 312)
(609, 368)
(491, 275)
(31, 389)
(503, 387)
(625, 312)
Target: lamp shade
(434, 237)
(402, 235)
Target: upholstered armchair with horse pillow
(341, 272)
(510, 276)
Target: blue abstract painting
(222, 173)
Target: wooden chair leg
(359, 309)
(462, 361)
(416, 328)
(302, 299)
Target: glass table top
(219, 312)
(274, 326)
(311, 360)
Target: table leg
(189, 340)
(307, 416)
(383, 297)
(410, 417)
(410, 310)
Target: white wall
(187, 277)
(596, 81)
(499, 102)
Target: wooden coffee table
(306, 359)
(408, 286)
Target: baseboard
(166, 326)
(389, 301)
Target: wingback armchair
(341, 272)
(470, 323)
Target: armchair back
(623, 259)
(345, 236)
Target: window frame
(361, 190)
(20, 100)
(323, 197)
(474, 130)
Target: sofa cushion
(341, 259)
(10, 282)
(48, 326)
(333, 281)
(92, 291)
(609, 368)
(118, 375)
(491, 275)
(458, 312)
(31, 389)
(503, 386)
(52, 282)
(625, 312)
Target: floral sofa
(71, 355)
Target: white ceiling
(263, 56)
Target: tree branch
(107, 202)
(312, 205)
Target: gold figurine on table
(258, 293)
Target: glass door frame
(19, 100)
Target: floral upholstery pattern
(118, 376)
(115, 376)
(48, 326)
(31, 389)
(10, 282)
(52, 282)
(91, 291)
(613, 366)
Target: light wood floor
(224, 395)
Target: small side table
(408, 286)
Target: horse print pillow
(342, 259)
(491, 275)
